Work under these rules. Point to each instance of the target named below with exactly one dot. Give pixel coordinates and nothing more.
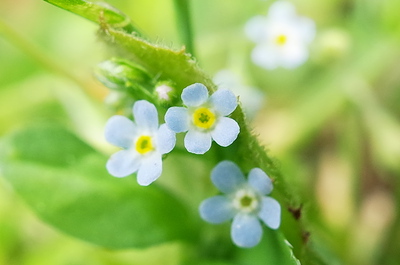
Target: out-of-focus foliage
(333, 123)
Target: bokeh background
(333, 123)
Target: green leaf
(99, 12)
(163, 62)
(66, 184)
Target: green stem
(184, 24)
(29, 48)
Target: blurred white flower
(251, 98)
(282, 37)
(163, 92)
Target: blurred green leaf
(99, 12)
(66, 184)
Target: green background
(332, 123)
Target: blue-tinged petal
(260, 181)
(270, 212)
(194, 95)
(165, 139)
(123, 163)
(120, 131)
(177, 119)
(197, 142)
(145, 115)
(223, 101)
(149, 170)
(227, 176)
(217, 209)
(246, 230)
(225, 132)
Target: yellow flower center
(281, 39)
(144, 144)
(203, 118)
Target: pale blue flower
(143, 143)
(244, 201)
(204, 118)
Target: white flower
(163, 92)
(204, 118)
(282, 37)
(144, 143)
(244, 202)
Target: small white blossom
(244, 201)
(143, 141)
(203, 118)
(282, 37)
(163, 92)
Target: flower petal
(146, 116)
(255, 28)
(307, 29)
(149, 170)
(225, 131)
(246, 230)
(223, 101)
(177, 119)
(165, 139)
(123, 163)
(227, 176)
(260, 181)
(194, 95)
(265, 56)
(270, 212)
(217, 209)
(120, 131)
(197, 142)
(282, 10)
(294, 55)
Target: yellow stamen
(203, 118)
(281, 40)
(144, 144)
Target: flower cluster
(281, 37)
(204, 119)
(144, 142)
